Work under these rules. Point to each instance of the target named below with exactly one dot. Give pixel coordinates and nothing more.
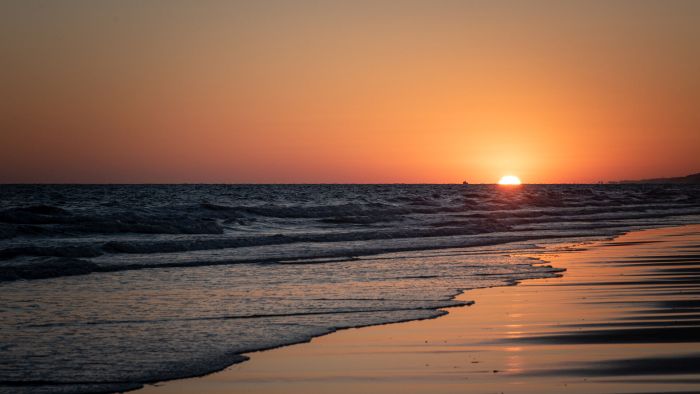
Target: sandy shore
(624, 318)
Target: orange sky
(361, 91)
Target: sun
(509, 180)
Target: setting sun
(509, 180)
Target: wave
(456, 225)
(47, 268)
(297, 253)
(167, 324)
(106, 225)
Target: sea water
(110, 287)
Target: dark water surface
(108, 287)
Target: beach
(623, 318)
(350, 197)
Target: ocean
(109, 287)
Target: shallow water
(624, 318)
(182, 279)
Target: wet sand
(624, 318)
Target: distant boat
(465, 183)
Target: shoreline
(258, 375)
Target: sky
(348, 91)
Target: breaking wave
(131, 227)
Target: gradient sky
(357, 91)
